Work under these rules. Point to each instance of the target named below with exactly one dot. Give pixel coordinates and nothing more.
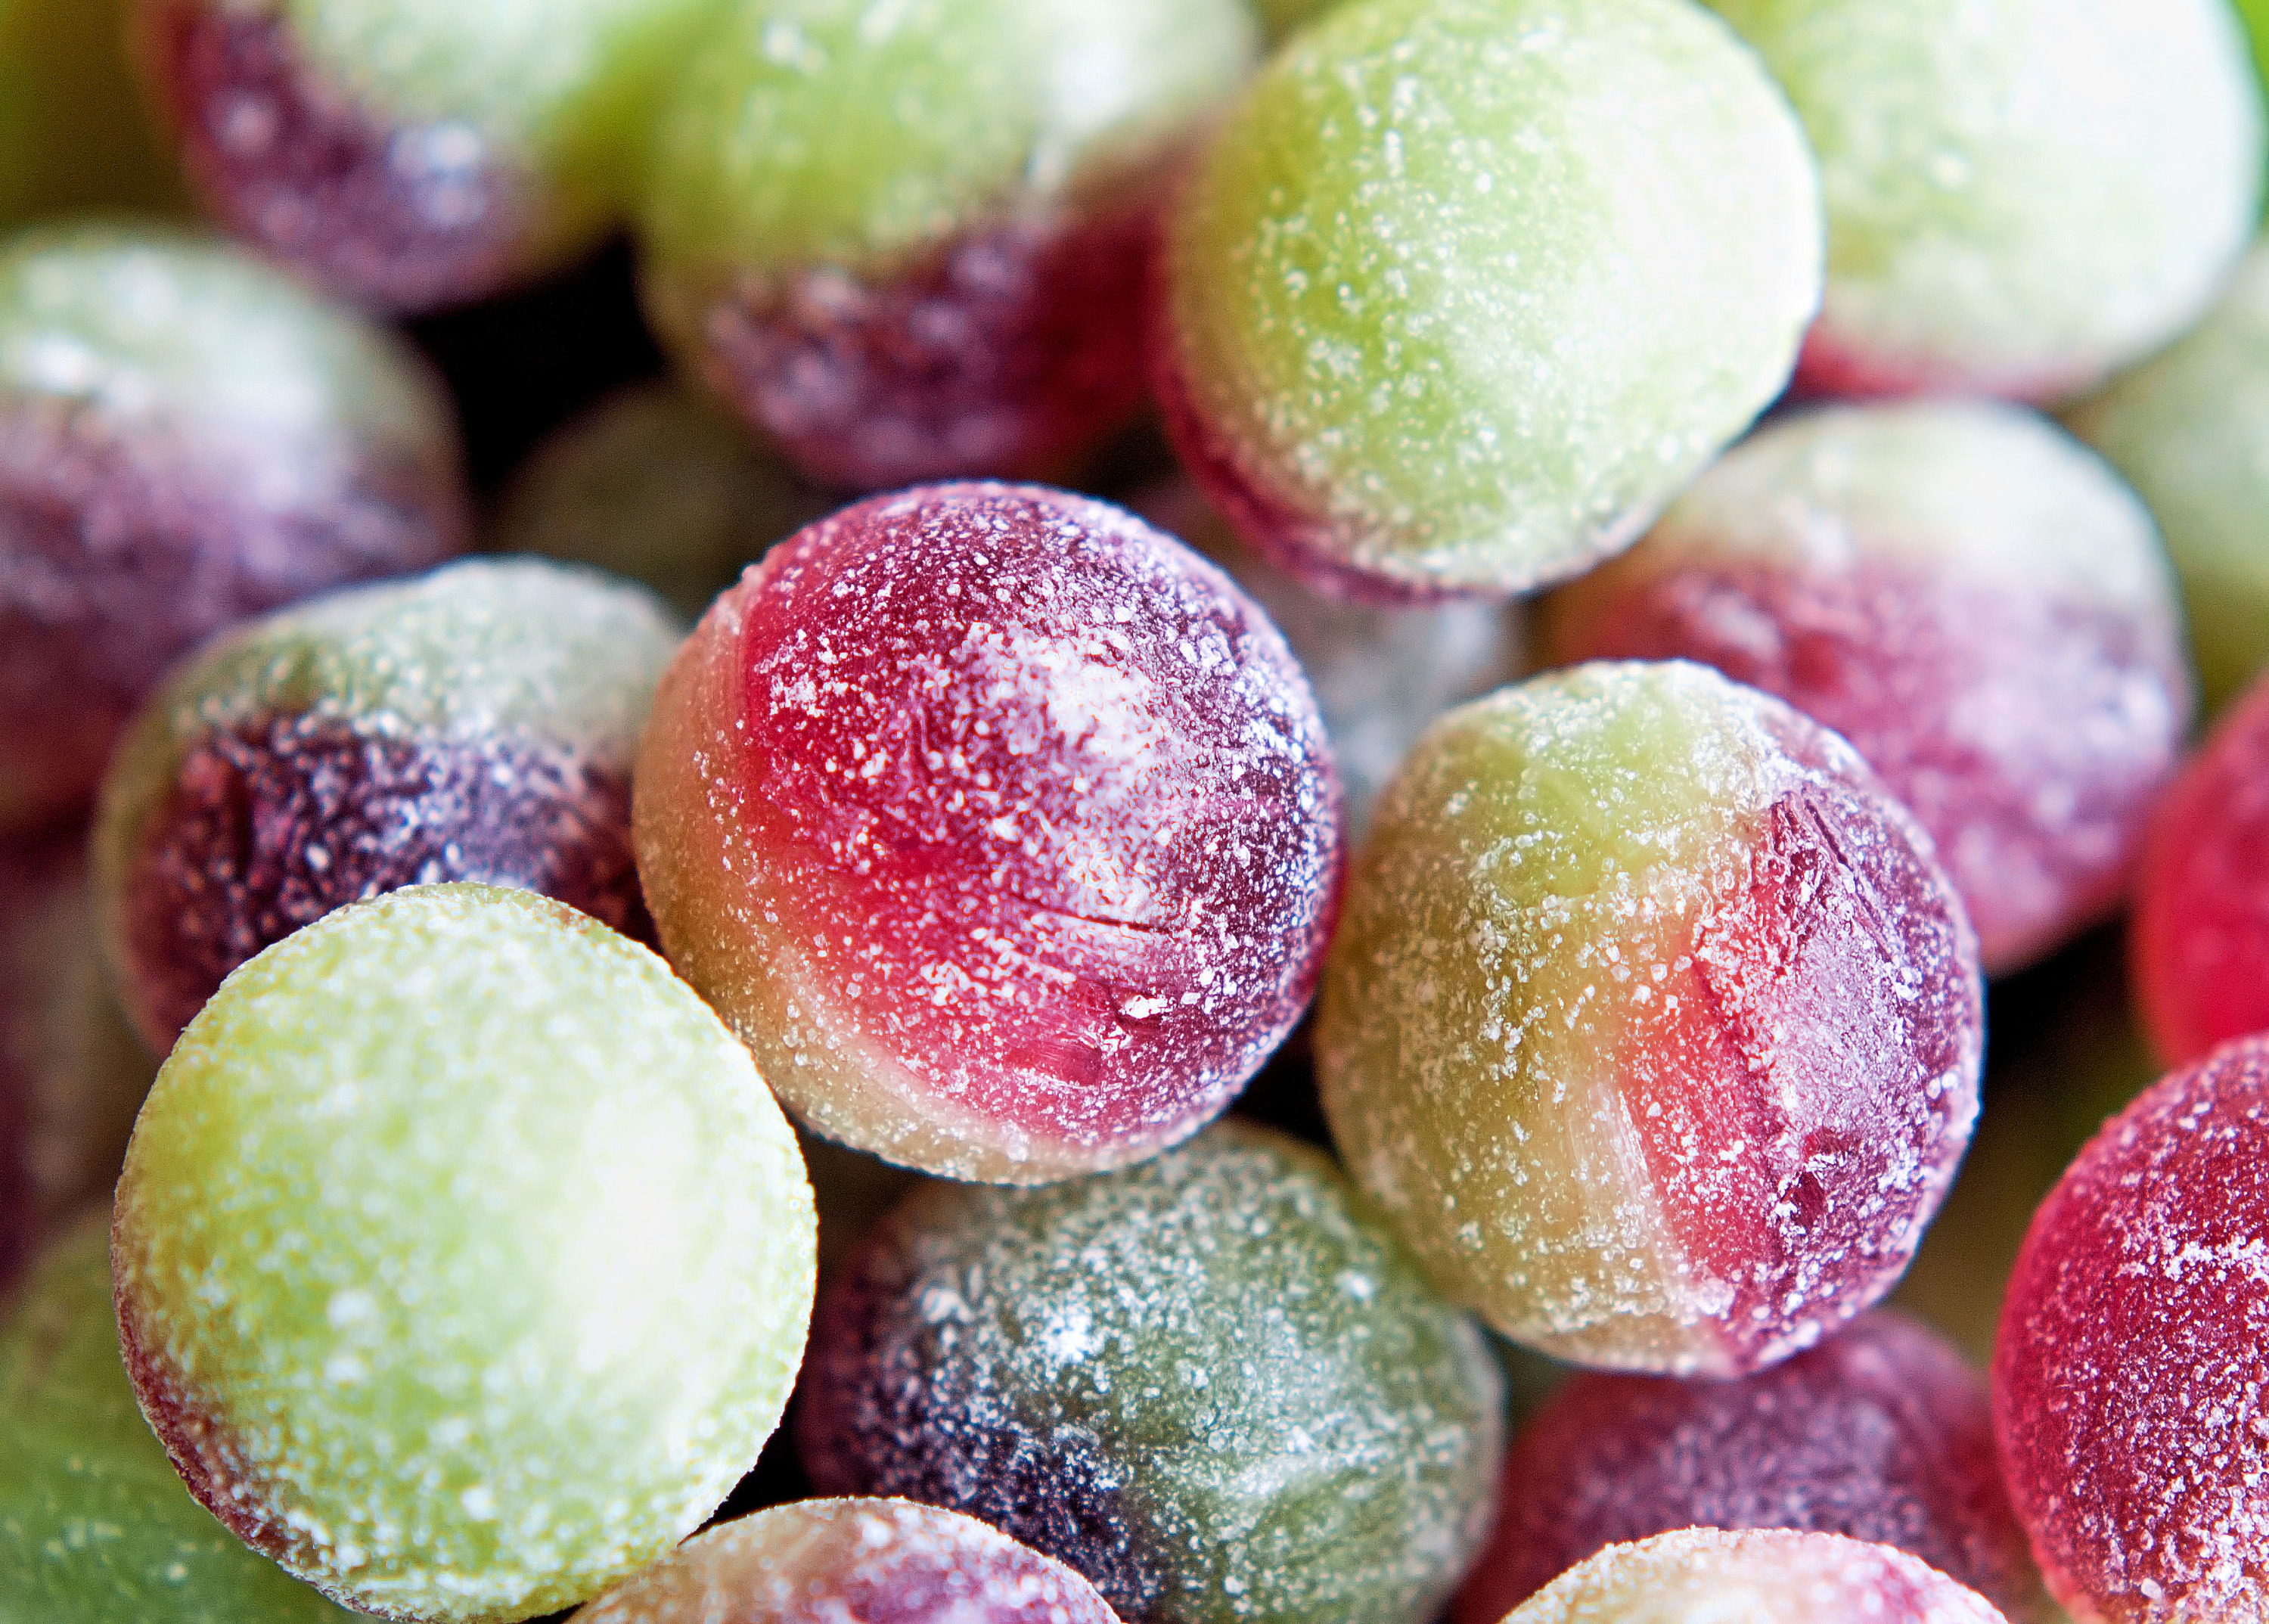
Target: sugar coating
(1880, 1434)
(2199, 939)
(1466, 290)
(1212, 1384)
(1381, 671)
(879, 1561)
(463, 1262)
(1707, 1576)
(72, 133)
(1650, 1021)
(2128, 1372)
(187, 437)
(94, 1526)
(1972, 600)
(2185, 428)
(72, 1073)
(476, 724)
(2020, 196)
(656, 485)
(999, 825)
(414, 153)
(912, 241)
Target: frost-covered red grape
(999, 825)
(1701, 1576)
(1880, 1434)
(1972, 600)
(2133, 1352)
(187, 437)
(1213, 1382)
(877, 1561)
(1652, 1020)
(2198, 943)
(477, 724)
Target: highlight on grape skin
(864, 1559)
(413, 156)
(1880, 1434)
(912, 242)
(463, 1262)
(94, 1526)
(1759, 1577)
(2022, 197)
(1965, 594)
(479, 723)
(2128, 1372)
(1651, 1021)
(1465, 291)
(187, 437)
(999, 825)
(1212, 1382)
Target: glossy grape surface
(187, 438)
(2021, 196)
(1463, 290)
(2128, 1372)
(879, 1561)
(1651, 1021)
(999, 825)
(94, 1526)
(1880, 1434)
(1971, 599)
(1699, 1576)
(463, 1261)
(1212, 1384)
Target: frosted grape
(477, 724)
(999, 825)
(1212, 1384)
(1465, 291)
(463, 1261)
(1651, 1021)
(2129, 1368)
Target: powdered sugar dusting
(2129, 1371)
(1026, 835)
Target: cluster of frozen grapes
(459, 1262)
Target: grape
(1466, 290)
(94, 1526)
(654, 484)
(185, 438)
(1971, 599)
(1879, 1434)
(2020, 196)
(998, 825)
(879, 1561)
(2186, 428)
(476, 724)
(1651, 1021)
(1212, 1382)
(2128, 1374)
(72, 130)
(416, 153)
(463, 1261)
(1697, 1576)
(911, 241)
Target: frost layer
(1209, 1383)
(2129, 1371)
(999, 825)
(1651, 1021)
